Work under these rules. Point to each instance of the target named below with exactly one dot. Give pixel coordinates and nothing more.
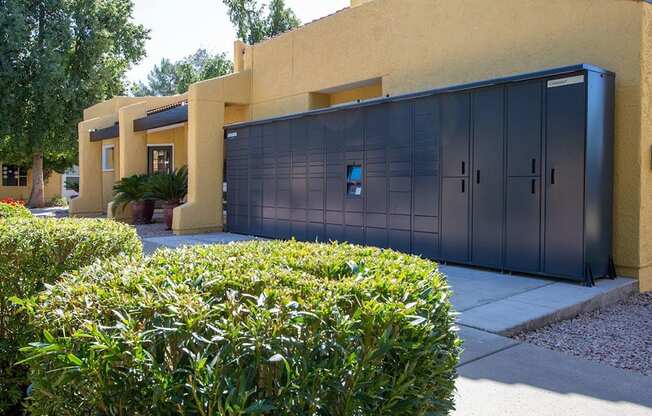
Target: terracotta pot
(142, 211)
(168, 209)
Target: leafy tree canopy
(255, 22)
(169, 78)
(58, 57)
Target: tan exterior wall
(362, 93)
(422, 44)
(53, 188)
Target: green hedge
(279, 328)
(33, 253)
(13, 210)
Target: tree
(168, 78)
(58, 57)
(254, 23)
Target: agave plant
(131, 189)
(171, 188)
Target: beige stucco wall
(422, 44)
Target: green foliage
(131, 189)
(58, 57)
(255, 22)
(57, 201)
(33, 253)
(72, 184)
(278, 328)
(168, 187)
(169, 78)
(13, 210)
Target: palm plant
(171, 188)
(130, 189)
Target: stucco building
(381, 48)
(16, 183)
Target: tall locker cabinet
(455, 119)
(512, 174)
(578, 189)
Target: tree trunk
(37, 196)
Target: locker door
(522, 231)
(564, 219)
(455, 220)
(524, 129)
(488, 177)
(455, 124)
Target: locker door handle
(552, 177)
(534, 183)
(463, 168)
(477, 176)
(463, 187)
(534, 166)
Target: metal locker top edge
(422, 94)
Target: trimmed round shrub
(34, 252)
(277, 328)
(13, 210)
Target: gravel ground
(156, 229)
(619, 335)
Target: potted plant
(132, 191)
(171, 189)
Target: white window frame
(104, 158)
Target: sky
(180, 27)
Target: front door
(159, 159)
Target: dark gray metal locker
(353, 136)
(564, 208)
(283, 178)
(269, 180)
(316, 185)
(455, 126)
(488, 177)
(455, 122)
(513, 173)
(524, 123)
(523, 224)
(335, 177)
(399, 156)
(455, 219)
(523, 219)
(376, 186)
(299, 179)
(425, 182)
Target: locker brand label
(232, 135)
(566, 81)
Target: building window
(108, 157)
(159, 159)
(354, 180)
(14, 176)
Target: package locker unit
(513, 174)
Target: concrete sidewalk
(500, 377)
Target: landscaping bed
(619, 335)
(156, 229)
(267, 328)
